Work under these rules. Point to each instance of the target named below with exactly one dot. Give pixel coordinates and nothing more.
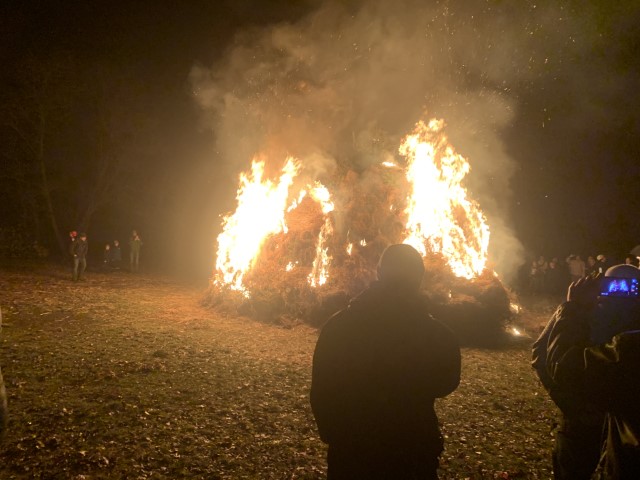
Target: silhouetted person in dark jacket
(607, 373)
(116, 255)
(555, 279)
(603, 263)
(107, 257)
(79, 252)
(578, 438)
(378, 366)
(135, 244)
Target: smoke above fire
(342, 86)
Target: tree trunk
(46, 192)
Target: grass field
(127, 376)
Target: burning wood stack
(296, 250)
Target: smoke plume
(343, 85)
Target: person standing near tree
(378, 367)
(72, 241)
(107, 257)
(79, 252)
(116, 255)
(135, 244)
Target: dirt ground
(127, 376)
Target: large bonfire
(295, 249)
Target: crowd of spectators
(111, 255)
(553, 276)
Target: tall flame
(440, 217)
(260, 213)
(320, 271)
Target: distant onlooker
(107, 257)
(79, 252)
(631, 260)
(135, 244)
(116, 255)
(542, 263)
(576, 267)
(555, 278)
(72, 241)
(543, 266)
(592, 266)
(603, 263)
(536, 277)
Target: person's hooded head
(401, 266)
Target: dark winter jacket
(116, 254)
(603, 266)
(609, 375)
(573, 403)
(377, 369)
(80, 248)
(135, 244)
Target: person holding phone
(576, 450)
(593, 351)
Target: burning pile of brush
(297, 250)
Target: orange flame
(260, 213)
(440, 216)
(349, 248)
(320, 271)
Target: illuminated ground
(127, 376)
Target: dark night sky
(565, 79)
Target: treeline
(87, 144)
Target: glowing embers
(440, 217)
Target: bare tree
(116, 123)
(75, 131)
(35, 106)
